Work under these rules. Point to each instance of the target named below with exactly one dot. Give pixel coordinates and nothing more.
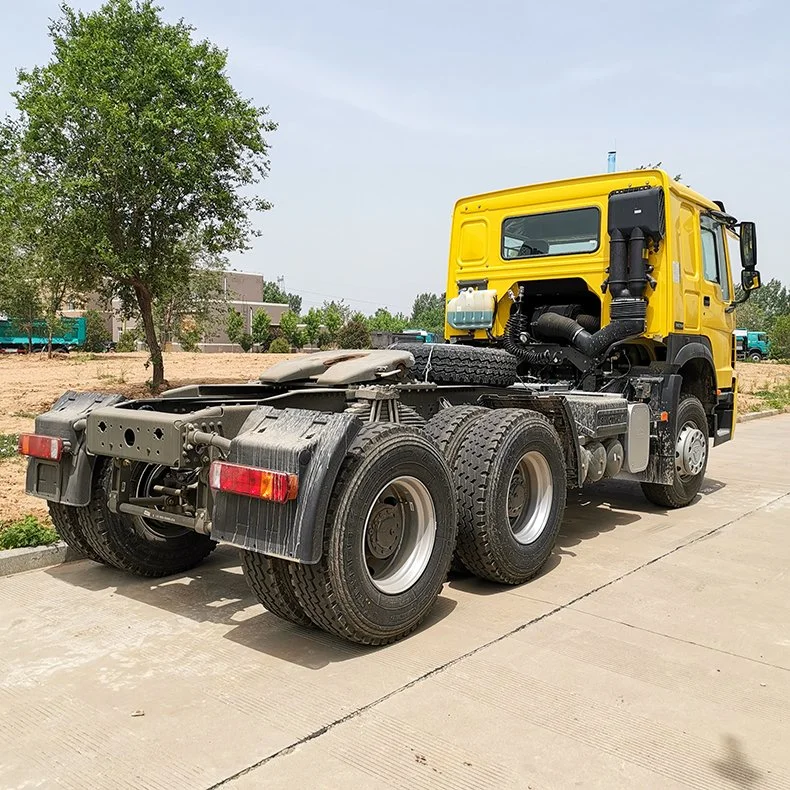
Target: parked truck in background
(754, 346)
(70, 334)
(590, 326)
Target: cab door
(716, 294)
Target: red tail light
(248, 481)
(47, 447)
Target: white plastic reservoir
(472, 309)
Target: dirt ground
(30, 384)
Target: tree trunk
(49, 343)
(145, 303)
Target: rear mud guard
(307, 443)
(70, 480)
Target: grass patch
(28, 415)
(774, 397)
(25, 532)
(8, 445)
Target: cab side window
(714, 262)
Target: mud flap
(70, 480)
(310, 444)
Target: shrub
(127, 341)
(780, 337)
(354, 335)
(96, 333)
(324, 340)
(27, 531)
(246, 341)
(8, 445)
(279, 346)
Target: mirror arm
(735, 302)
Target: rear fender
(307, 443)
(70, 480)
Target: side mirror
(749, 247)
(750, 280)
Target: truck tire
(691, 457)
(510, 479)
(448, 428)
(443, 363)
(755, 356)
(66, 522)
(388, 538)
(138, 545)
(270, 580)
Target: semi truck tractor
(589, 331)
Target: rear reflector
(248, 481)
(40, 446)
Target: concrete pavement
(654, 651)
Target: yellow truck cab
(617, 246)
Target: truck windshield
(554, 233)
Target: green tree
(764, 306)
(779, 336)
(335, 315)
(313, 321)
(274, 294)
(136, 130)
(384, 321)
(261, 324)
(354, 334)
(20, 297)
(191, 308)
(289, 326)
(428, 312)
(234, 328)
(96, 333)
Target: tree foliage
(779, 336)
(144, 146)
(335, 315)
(354, 334)
(292, 332)
(97, 336)
(384, 321)
(313, 321)
(276, 295)
(234, 327)
(428, 313)
(764, 307)
(261, 324)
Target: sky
(390, 112)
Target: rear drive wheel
(388, 538)
(510, 478)
(139, 545)
(691, 457)
(447, 429)
(67, 524)
(270, 580)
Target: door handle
(706, 301)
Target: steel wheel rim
(399, 535)
(691, 451)
(529, 497)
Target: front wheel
(388, 538)
(755, 356)
(691, 457)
